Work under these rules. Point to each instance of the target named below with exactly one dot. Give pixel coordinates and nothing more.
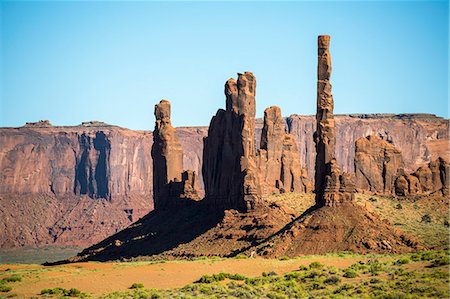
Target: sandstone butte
(233, 217)
(78, 185)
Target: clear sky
(112, 61)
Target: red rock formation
(229, 155)
(167, 156)
(420, 138)
(278, 159)
(170, 183)
(433, 178)
(377, 165)
(324, 135)
(328, 177)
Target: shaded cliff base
(285, 225)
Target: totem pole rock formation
(278, 157)
(328, 177)
(169, 180)
(377, 165)
(229, 154)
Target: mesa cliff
(41, 165)
(234, 217)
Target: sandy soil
(100, 278)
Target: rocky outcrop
(332, 188)
(229, 155)
(425, 180)
(278, 159)
(167, 156)
(324, 135)
(420, 139)
(170, 182)
(107, 162)
(378, 163)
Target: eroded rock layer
(378, 163)
(229, 155)
(331, 187)
(278, 158)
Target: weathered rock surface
(378, 163)
(425, 180)
(167, 156)
(331, 187)
(324, 134)
(278, 158)
(229, 155)
(420, 138)
(170, 182)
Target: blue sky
(112, 61)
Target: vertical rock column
(278, 157)
(324, 135)
(229, 154)
(331, 187)
(167, 156)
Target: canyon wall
(76, 185)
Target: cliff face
(59, 184)
(420, 138)
(100, 162)
(77, 185)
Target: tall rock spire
(167, 156)
(331, 186)
(324, 135)
(229, 154)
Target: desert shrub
(302, 268)
(440, 261)
(374, 267)
(236, 276)
(315, 265)
(291, 275)
(358, 266)
(446, 223)
(373, 199)
(426, 218)
(375, 280)
(13, 278)
(73, 292)
(54, 291)
(268, 274)
(401, 261)
(241, 256)
(398, 207)
(273, 295)
(415, 257)
(395, 295)
(333, 279)
(350, 273)
(5, 288)
(284, 258)
(137, 285)
(343, 288)
(427, 256)
(312, 274)
(219, 277)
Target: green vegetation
(12, 278)
(73, 292)
(5, 288)
(418, 275)
(137, 285)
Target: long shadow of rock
(158, 231)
